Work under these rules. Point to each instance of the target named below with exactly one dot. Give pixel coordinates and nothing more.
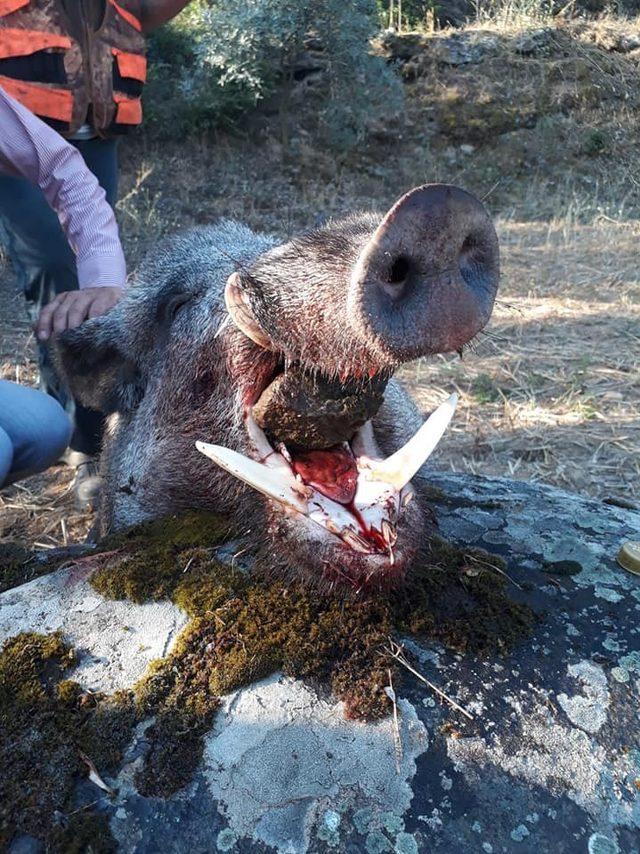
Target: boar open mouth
(420, 281)
(348, 489)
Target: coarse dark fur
(171, 367)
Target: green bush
(217, 60)
(183, 95)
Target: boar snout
(427, 279)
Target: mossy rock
(46, 724)
(243, 627)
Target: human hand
(71, 308)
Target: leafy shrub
(183, 95)
(220, 58)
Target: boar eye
(173, 306)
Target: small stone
(533, 818)
(488, 847)
(519, 833)
(620, 674)
(332, 819)
(476, 827)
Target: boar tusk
(398, 469)
(240, 312)
(270, 482)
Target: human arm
(32, 150)
(154, 13)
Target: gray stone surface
(281, 760)
(116, 641)
(549, 763)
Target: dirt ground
(549, 391)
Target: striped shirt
(31, 149)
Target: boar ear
(96, 367)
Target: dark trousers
(45, 266)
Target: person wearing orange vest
(80, 66)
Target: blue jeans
(34, 431)
(45, 266)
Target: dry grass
(552, 391)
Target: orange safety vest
(94, 76)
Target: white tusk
(272, 483)
(398, 469)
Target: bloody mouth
(346, 488)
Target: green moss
(146, 562)
(45, 724)
(19, 565)
(459, 597)
(242, 628)
(83, 833)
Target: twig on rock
(391, 694)
(396, 651)
(492, 566)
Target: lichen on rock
(243, 627)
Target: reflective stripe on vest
(129, 17)
(19, 42)
(41, 99)
(129, 110)
(9, 6)
(131, 64)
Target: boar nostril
(473, 260)
(399, 270)
(396, 277)
(470, 243)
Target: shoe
(87, 486)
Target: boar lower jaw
(366, 520)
